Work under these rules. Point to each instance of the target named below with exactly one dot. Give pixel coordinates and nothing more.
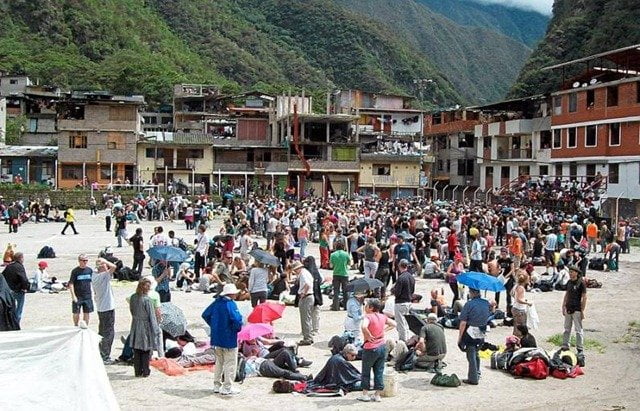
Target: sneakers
(469, 382)
(230, 391)
(304, 363)
(305, 342)
(364, 398)
(216, 389)
(376, 398)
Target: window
(545, 139)
(71, 172)
(591, 98)
(557, 105)
(573, 102)
(486, 142)
(151, 152)
(440, 165)
(465, 141)
(614, 170)
(504, 172)
(465, 167)
(590, 136)
(614, 134)
(612, 96)
(7, 165)
(150, 120)
(13, 81)
(544, 170)
(122, 113)
(115, 141)
(559, 170)
(105, 172)
(572, 137)
(557, 138)
(381, 169)
(78, 141)
(344, 154)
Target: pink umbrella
(252, 331)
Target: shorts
(550, 256)
(86, 305)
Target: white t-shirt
(305, 278)
(245, 244)
(159, 240)
(101, 282)
(273, 225)
(203, 244)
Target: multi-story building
(323, 150)
(160, 121)
(29, 164)
(513, 139)
(3, 121)
(596, 124)
(455, 170)
(97, 136)
(393, 159)
(197, 108)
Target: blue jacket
(225, 322)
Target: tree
(15, 128)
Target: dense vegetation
(146, 46)
(481, 63)
(579, 28)
(527, 27)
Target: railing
(515, 154)
(395, 181)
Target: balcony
(393, 181)
(515, 154)
(519, 127)
(257, 168)
(326, 165)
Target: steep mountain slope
(527, 27)
(578, 28)
(482, 64)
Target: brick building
(596, 123)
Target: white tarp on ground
(53, 368)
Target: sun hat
(229, 289)
(432, 317)
(297, 265)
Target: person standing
(520, 303)
(105, 306)
(573, 306)
(372, 255)
(107, 215)
(306, 301)
(144, 328)
(403, 290)
(225, 322)
(14, 217)
(550, 247)
(80, 289)
(258, 283)
(137, 241)
(303, 239)
(121, 227)
(339, 261)
(162, 273)
(353, 322)
(17, 280)
(476, 253)
(592, 235)
(374, 352)
(70, 219)
(202, 248)
(473, 325)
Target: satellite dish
(576, 84)
(593, 81)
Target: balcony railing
(326, 165)
(391, 180)
(515, 154)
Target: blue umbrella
(480, 281)
(165, 253)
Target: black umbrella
(364, 284)
(264, 257)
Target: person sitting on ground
(338, 372)
(432, 346)
(283, 365)
(438, 303)
(527, 340)
(258, 348)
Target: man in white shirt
(245, 246)
(476, 254)
(306, 302)
(105, 306)
(159, 239)
(272, 227)
(202, 248)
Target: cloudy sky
(542, 6)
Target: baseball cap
(43, 264)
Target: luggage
(406, 363)
(535, 368)
(46, 252)
(444, 380)
(596, 263)
(500, 360)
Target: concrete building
(454, 147)
(3, 121)
(160, 121)
(97, 138)
(513, 139)
(30, 164)
(596, 125)
(394, 156)
(197, 109)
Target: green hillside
(579, 28)
(527, 27)
(481, 63)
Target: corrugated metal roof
(29, 151)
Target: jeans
(473, 358)
(575, 320)
(226, 364)
(106, 330)
(400, 310)
(303, 247)
(121, 234)
(339, 283)
(18, 296)
(199, 263)
(373, 359)
(306, 307)
(370, 269)
(138, 260)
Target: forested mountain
(578, 28)
(146, 46)
(527, 27)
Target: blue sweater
(225, 321)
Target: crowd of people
(396, 242)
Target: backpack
(46, 252)
(596, 263)
(127, 274)
(407, 362)
(241, 371)
(535, 368)
(444, 380)
(182, 244)
(500, 360)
